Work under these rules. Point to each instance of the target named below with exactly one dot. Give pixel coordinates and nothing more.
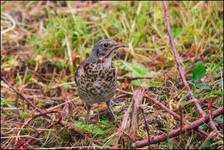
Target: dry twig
(134, 105)
(22, 96)
(137, 101)
(211, 123)
(179, 67)
(178, 131)
(125, 121)
(45, 114)
(19, 144)
(177, 58)
(211, 135)
(175, 115)
(127, 78)
(146, 125)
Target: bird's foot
(111, 114)
(113, 103)
(87, 119)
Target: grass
(35, 59)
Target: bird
(96, 77)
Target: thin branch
(72, 127)
(178, 131)
(27, 122)
(38, 75)
(175, 115)
(61, 104)
(45, 114)
(211, 123)
(22, 96)
(69, 125)
(121, 98)
(24, 145)
(137, 101)
(121, 130)
(211, 135)
(125, 120)
(127, 78)
(146, 125)
(177, 58)
(179, 67)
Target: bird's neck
(107, 62)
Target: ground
(43, 43)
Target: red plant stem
(29, 120)
(22, 96)
(137, 101)
(133, 78)
(212, 124)
(27, 143)
(175, 115)
(177, 59)
(176, 132)
(146, 125)
(179, 67)
(124, 121)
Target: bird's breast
(96, 82)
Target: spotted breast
(96, 82)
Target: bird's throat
(107, 62)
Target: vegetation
(43, 43)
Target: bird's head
(104, 49)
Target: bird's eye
(105, 44)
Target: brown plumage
(96, 76)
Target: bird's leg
(113, 103)
(88, 107)
(113, 118)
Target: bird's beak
(116, 46)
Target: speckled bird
(96, 76)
